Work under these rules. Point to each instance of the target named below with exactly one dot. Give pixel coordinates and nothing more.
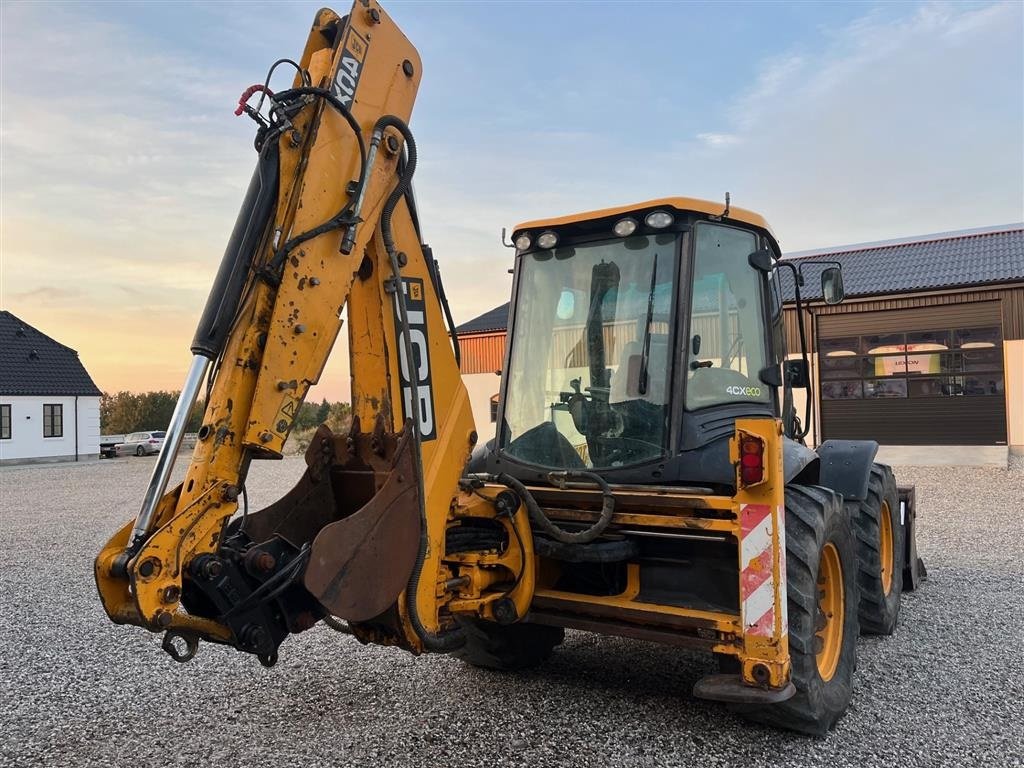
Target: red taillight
(153, 442)
(751, 461)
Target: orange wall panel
(482, 352)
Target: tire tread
(507, 648)
(878, 612)
(811, 513)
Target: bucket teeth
(358, 505)
(345, 571)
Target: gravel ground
(946, 689)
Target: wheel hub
(831, 610)
(886, 550)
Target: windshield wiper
(646, 353)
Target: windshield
(588, 378)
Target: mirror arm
(816, 262)
(822, 263)
(797, 275)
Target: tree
(195, 419)
(323, 411)
(119, 412)
(156, 409)
(340, 418)
(306, 418)
(124, 412)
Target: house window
(53, 420)
(5, 422)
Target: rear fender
(846, 466)
(800, 464)
(913, 567)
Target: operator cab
(637, 336)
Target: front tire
(507, 648)
(821, 564)
(880, 548)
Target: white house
(49, 405)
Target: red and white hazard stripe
(758, 523)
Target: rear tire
(880, 549)
(509, 647)
(819, 541)
(140, 451)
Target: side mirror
(761, 260)
(832, 285)
(797, 375)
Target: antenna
(725, 213)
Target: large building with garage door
(927, 350)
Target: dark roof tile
(922, 265)
(31, 363)
(494, 320)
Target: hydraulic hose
(338, 625)
(404, 179)
(545, 523)
(341, 218)
(449, 641)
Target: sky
(122, 165)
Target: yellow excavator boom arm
(327, 225)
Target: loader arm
(326, 225)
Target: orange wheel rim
(831, 610)
(886, 550)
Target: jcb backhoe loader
(647, 478)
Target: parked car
(141, 444)
(108, 445)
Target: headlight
(624, 227)
(659, 219)
(523, 242)
(547, 240)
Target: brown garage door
(924, 376)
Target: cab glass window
(727, 339)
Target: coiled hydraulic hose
(545, 523)
(448, 641)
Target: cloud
(715, 140)
(46, 296)
(775, 75)
(115, 207)
(899, 123)
(893, 125)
